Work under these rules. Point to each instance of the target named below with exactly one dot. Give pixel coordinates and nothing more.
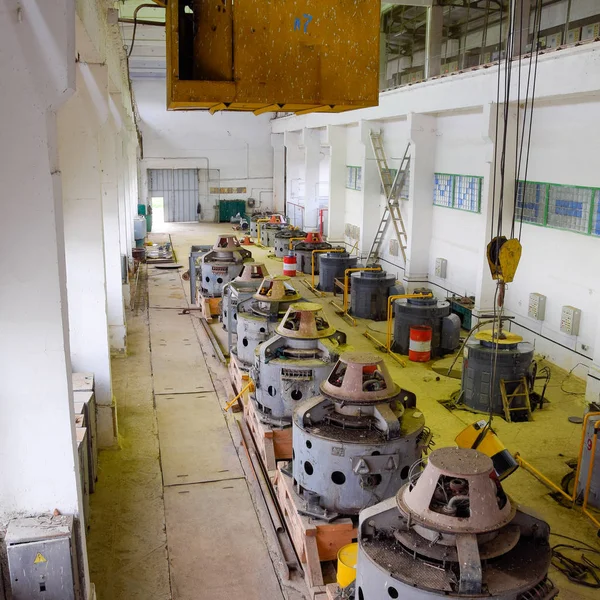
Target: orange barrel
(419, 348)
(289, 265)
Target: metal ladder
(521, 391)
(392, 208)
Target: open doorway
(158, 213)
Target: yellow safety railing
(248, 388)
(292, 240)
(312, 262)
(259, 226)
(347, 272)
(387, 347)
(573, 497)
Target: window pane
(467, 193)
(442, 190)
(569, 207)
(358, 182)
(535, 202)
(596, 221)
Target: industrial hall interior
(300, 299)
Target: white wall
(238, 145)
(563, 150)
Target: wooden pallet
(239, 377)
(315, 541)
(210, 307)
(273, 444)
(333, 591)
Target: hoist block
(272, 55)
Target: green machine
(230, 208)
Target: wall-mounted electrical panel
(569, 320)
(42, 559)
(537, 307)
(441, 265)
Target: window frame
(454, 179)
(594, 207)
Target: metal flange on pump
(259, 315)
(221, 265)
(291, 366)
(452, 532)
(241, 288)
(355, 442)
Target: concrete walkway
(173, 516)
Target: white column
(433, 41)
(336, 140)
(117, 333)
(485, 288)
(419, 210)
(79, 126)
(312, 159)
(371, 190)
(38, 452)
(278, 172)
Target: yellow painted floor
(128, 544)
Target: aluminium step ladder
(520, 391)
(392, 209)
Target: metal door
(180, 190)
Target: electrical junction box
(440, 267)
(537, 307)
(569, 320)
(42, 559)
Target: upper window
(569, 207)
(399, 192)
(457, 191)
(354, 178)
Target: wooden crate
(211, 307)
(315, 541)
(333, 591)
(272, 443)
(239, 376)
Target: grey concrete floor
(173, 516)
(136, 553)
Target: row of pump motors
(427, 529)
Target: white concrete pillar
(419, 211)
(522, 11)
(38, 451)
(371, 188)
(117, 332)
(278, 172)
(336, 140)
(79, 125)
(311, 140)
(485, 288)
(433, 41)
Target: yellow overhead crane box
(272, 55)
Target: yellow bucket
(346, 569)
(490, 445)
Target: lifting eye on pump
(503, 257)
